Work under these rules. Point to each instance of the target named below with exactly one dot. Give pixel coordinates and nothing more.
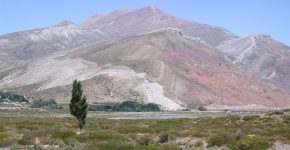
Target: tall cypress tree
(78, 105)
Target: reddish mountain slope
(189, 71)
(134, 22)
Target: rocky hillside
(133, 22)
(262, 56)
(164, 67)
(26, 45)
(147, 55)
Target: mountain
(262, 56)
(164, 67)
(147, 55)
(27, 45)
(134, 22)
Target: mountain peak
(259, 36)
(67, 22)
(150, 18)
(122, 11)
(151, 9)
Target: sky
(242, 17)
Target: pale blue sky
(242, 17)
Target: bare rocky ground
(280, 146)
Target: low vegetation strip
(230, 132)
(126, 106)
(10, 97)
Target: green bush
(129, 106)
(126, 106)
(26, 141)
(249, 118)
(220, 139)
(251, 143)
(101, 107)
(145, 140)
(201, 108)
(51, 104)
(9, 97)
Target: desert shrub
(239, 135)
(170, 146)
(266, 119)
(63, 134)
(73, 144)
(165, 137)
(198, 144)
(199, 134)
(133, 129)
(234, 118)
(145, 140)
(3, 136)
(220, 139)
(27, 127)
(56, 142)
(286, 118)
(26, 141)
(44, 140)
(249, 118)
(18, 147)
(116, 145)
(104, 126)
(5, 143)
(99, 135)
(251, 143)
(2, 129)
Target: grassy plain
(56, 129)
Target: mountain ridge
(161, 58)
(149, 18)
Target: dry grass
(25, 132)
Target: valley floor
(56, 129)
